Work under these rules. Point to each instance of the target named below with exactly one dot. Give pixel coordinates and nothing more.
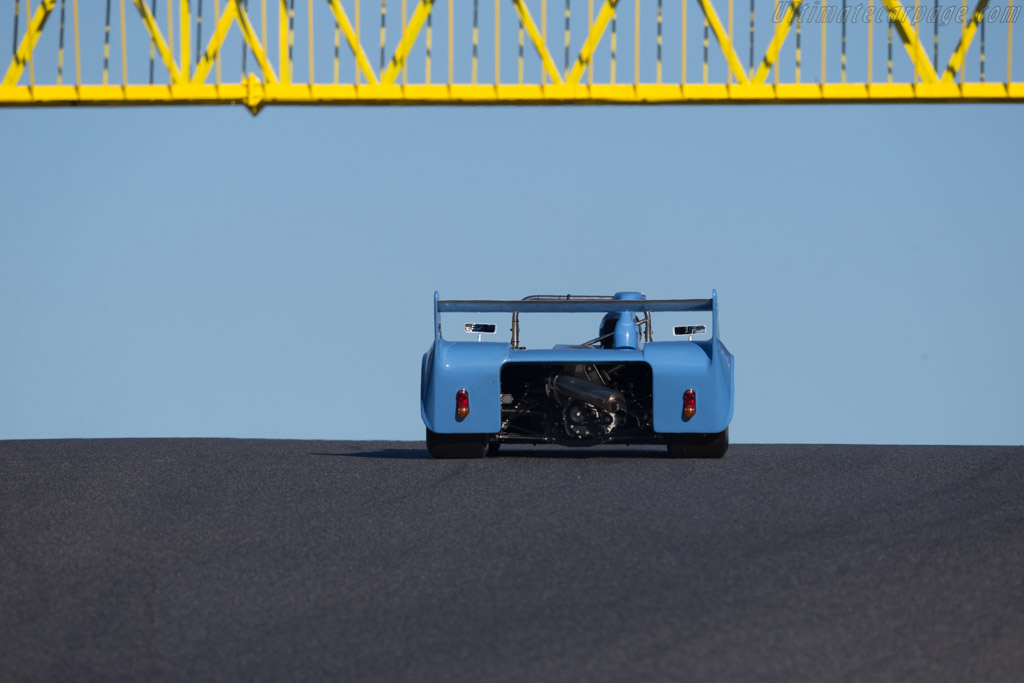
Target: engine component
(584, 421)
(601, 397)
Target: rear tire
(457, 446)
(698, 445)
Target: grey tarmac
(264, 560)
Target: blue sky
(200, 272)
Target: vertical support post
(775, 66)
(106, 46)
(170, 27)
(889, 65)
(520, 51)
(871, 45)
(981, 55)
(337, 50)
(78, 47)
(282, 41)
(590, 25)
(917, 30)
(124, 50)
(614, 44)
(32, 62)
(216, 23)
(799, 24)
(705, 78)
(60, 45)
(824, 36)
(476, 37)
(682, 49)
(729, 71)
(1009, 43)
(842, 57)
(199, 32)
(963, 37)
(17, 15)
(565, 69)
(152, 46)
(658, 57)
(750, 73)
(544, 35)
(636, 43)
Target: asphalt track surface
(244, 560)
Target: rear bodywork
(622, 387)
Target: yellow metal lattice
(161, 59)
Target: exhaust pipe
(601, 397)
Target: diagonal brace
(253, 41)
(216, 40)
(233, 12)
(723, 41)
(538, 42)
(956, 60)
(158, 38)
(911, 41)
(353, 41)
(781, 32)
(28, 43)
(593, 38)
(409, 35)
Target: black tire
(457, 446)
(698, 445)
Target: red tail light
(689, 404)
(461, 404)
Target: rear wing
(571, 304)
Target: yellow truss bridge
(474, 52)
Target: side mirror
(480, 329)
(689, 330)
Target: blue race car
(621, 387)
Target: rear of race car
(621, 387)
